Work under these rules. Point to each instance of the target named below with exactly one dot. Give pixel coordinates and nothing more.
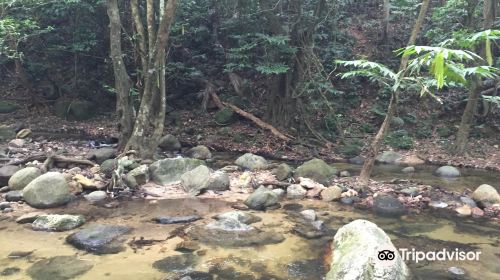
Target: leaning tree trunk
(391, 110)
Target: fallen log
(48, 160)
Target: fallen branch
(53, 159)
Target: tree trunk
(124, 109)
(385, 21)
(391, 110)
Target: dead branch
(54, 159)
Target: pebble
(309, 215)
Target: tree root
(50, 160)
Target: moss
(224, 116)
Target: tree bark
(391, 110)
(385, 21)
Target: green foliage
(399, 139)
(424, 131)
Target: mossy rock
(224, 116)
(78, 110)
(6, 133)
(7, 107)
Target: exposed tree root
(49, 160)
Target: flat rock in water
(235, 238)
(389, 157)
(58, 268)
(261, 199)
(99, 239)
(29, 218)
(57, 222)
(178, 263)
(388, 206)
(240, 216)
(19, 254)
(165, 220)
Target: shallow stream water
(294, 258)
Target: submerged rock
(178, 263)
(388, 206)
(261, 199)
(448, 171)
(240, 216)
(29, 218)
(165, 220)
(10, 271)
(23, 177)
(229, 236)
(57, 222)
(356, 248)
(485, 195)
(251, 162)
(48, 190)
(170, 170)
(58, 268)
(99, 239)
(409, 169)
(316, 169)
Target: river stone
(108, 166)
(235, 237)
(6, 172)
(409, 169)
(7, 107)
(99, 239)
(169, 143)
(261, 199)
(218, 181)
(96, 196)
(8, 271)
(195, 181)
(58, 268)
(448, 171)
(48, 190)
(229, 225)
(23, 177)
(486, 194)
(102, 154)
(23, 133)
(469, 201)
(14, 196)
(6, 133)
(355, 249)
(170, 170)
(331, 193)
(280, 193)
(178, 263)
(388, 157)
(295, 192)
(309, 214)
(251, 162)
(166, 220)
(4, 205)
(57, 222)
(199, 152)
(464, 210)
(283, 172)
(224, 116)
(316, 169)
(240, 216)
(17, 143)
(140, 174)
(29, 218)
(388, 206)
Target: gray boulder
(102, 154)
(23, 177)
(57, 222)
(331, 193)
(108, 166)
(261, 199)
(58, 268)
(356, 248)
(295, 192)
(486, 194)
(6, 172)
(14, 196)
(283, 172)
(199, 152)
(96, 196)
(316, 169)
(388, 206)
(251, 162)
(48, 190)
(140, 174)
(99, 239)
(169, 143)
(389, 157)
(196, 180)
(219, 181)
(448, 171)
(167, 171)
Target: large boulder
(7, 107)
(316, 169)
(389, 157)
(261, 199)
(140, 174)
(59, 268)
(199, 152)
(57, 222)
(48, 190)
(196, 180)
(77, 110)
(219, 181)
(169, 143)
(167, 171)
(356, 247)
(448, 171)
(251, 162)
(23, 177)
(108, 166)
(6, 172)
(486, 194)
(6, 133)
(99, 239)
(101, 155)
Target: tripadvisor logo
(387, 256)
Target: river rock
(356, 247)
(170, 170)
(166, 220)
(86, 183)
(14, 196)
(23, 177)
(23, 133)
(228, 225)
(6, 172)
(6, 133)
(96, 196)
(102, 154)
(295, 192)
(140, 174)
(464, 210)
(280, 193)
(409, 169)
(309, 214)
(57, 222)
(199, 152)
(4, 205)
(389, 157)
(177, 264)
(251, 162)
(388, 206)
(169, 143)
(17, 143)
(58, 268)
(316, 169)
(195, 181)
(261, 199)
(29, 218)
(218, 181)
(99, 239)
(108, 166)
(469, 201)
(283, 172)
(448, 171)
(48, 190)
(224, 116)
(8, 271)
(331, 193)
(486, 194)
(240, 216)
(187, 246)
(477, 212)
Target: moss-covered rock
(316, 169)
(78, 110)
(224, 116)
(7, 107)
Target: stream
(294, 258)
